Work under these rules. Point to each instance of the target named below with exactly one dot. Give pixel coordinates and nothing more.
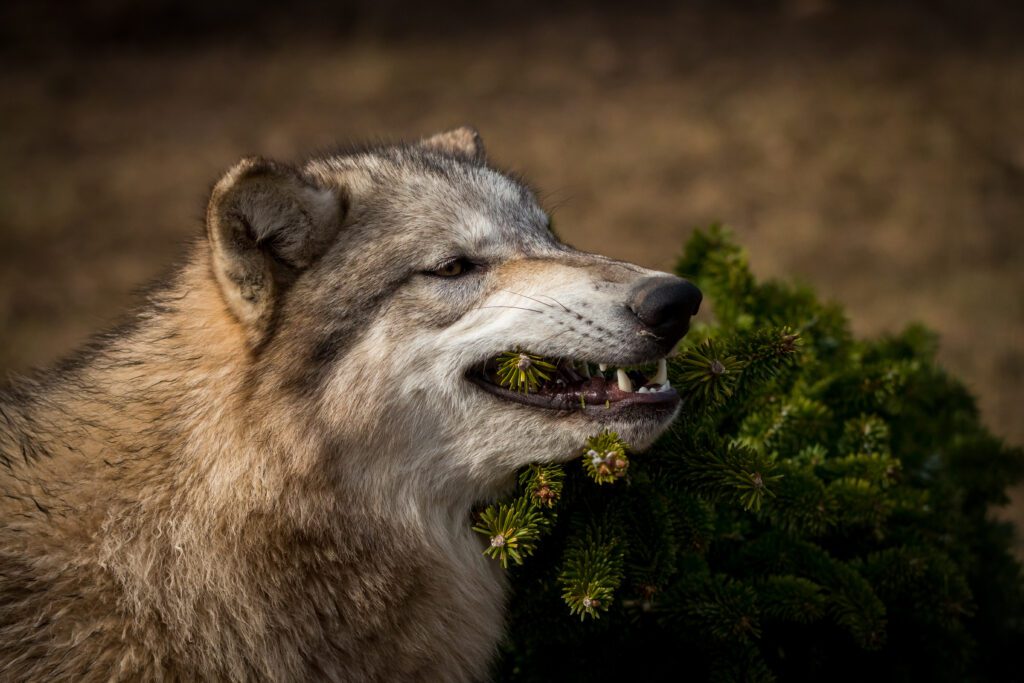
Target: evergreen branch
(591, 573)
(726, 609)
(657, 537)
(792, 598)
(512, 528)
(736, 473)
(542, 483)
(858, 503)
(813, 482)
(604, 458)
(739, 662)
(720, 269)
(851, 601)
(924, 579)
(705, 376)
(865, 434)
(523, 372)
(765, 354)
(802, 504)
(786, 428)
(717, 608)
(878, 470)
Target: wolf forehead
(411, 192)
(295, 245)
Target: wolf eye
(453, 268)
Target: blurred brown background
(872, 149)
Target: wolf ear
(464, 141)
(266, 223)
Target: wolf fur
(268, 473)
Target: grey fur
(267, 475)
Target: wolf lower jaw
(636, 406)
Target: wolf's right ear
(266, 222)
(464, 141)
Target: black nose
(665, 305)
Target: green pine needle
(821, 501)
(591, 573)
(604, 458)
(523, 372)
(865, 434)
(513, 529)
(708, 375)
(542, 484)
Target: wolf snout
(665, 304)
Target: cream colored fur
(270, 476)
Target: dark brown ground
(874, 151)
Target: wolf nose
(665, 305)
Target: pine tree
(819, 510)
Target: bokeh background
(874, 150)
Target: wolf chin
(268, 473)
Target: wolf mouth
(583, 387)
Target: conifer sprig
(707, 375)
(591, 573)
(512, 528)
(821, 502)
(523, 372)
(542, 484)
(731, 471)
(604, 458)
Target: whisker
(556, 301)
(542, 303)
(520, 308)
(554, 336)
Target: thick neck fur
(164, 505)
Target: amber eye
(453, 268)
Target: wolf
(268, 473)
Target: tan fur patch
(272, 479)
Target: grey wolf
(268, 473)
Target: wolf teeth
(625, 383)
(655, 389)
(661, 377)
(585, 369)
(602, 367)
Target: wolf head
(375, 287)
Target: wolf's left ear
(266, 223)
(464, 141)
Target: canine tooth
(625, 383)
(602, 367)
(585, 369)
(661, 376)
